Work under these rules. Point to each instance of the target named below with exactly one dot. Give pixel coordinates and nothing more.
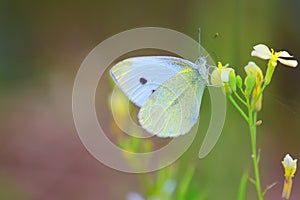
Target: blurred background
(43, 43)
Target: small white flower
(263, 52)
(290, 165)
(220, 75)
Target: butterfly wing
(173, 109)
(139, 77)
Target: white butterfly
(167, 89)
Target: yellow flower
(253, 70)
(290, 167)
(220, 74)
(263, 52)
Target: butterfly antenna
(199, 41)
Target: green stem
(251, 119)
(254, 124)
(237, 107)
(252, 128)
(240, 98)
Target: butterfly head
(205, 69)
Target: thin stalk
(240, 98)
(252, 129)
(237, 107)
(254, 124)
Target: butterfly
(167, 89)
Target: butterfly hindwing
(173, 109)
(139, 77)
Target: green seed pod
(239, 82)
(249, 83)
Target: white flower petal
(260, 55)
(261, 51)
(262, 48)
(289, 162)
(290, 63)
(225, 74)
(251, 67)
(285, 54)
(215, 78)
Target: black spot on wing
(176, 101)
(143, 81)
(153, 91)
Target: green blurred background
(42, 44)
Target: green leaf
(161, 178)
(196, 192)
(243, 185)
(185, 183)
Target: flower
(263, 52)
(224, 76)
(253, 70)
(220, 74)
(290, 167)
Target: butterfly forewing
(139, 77)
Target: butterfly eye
(143, 81)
